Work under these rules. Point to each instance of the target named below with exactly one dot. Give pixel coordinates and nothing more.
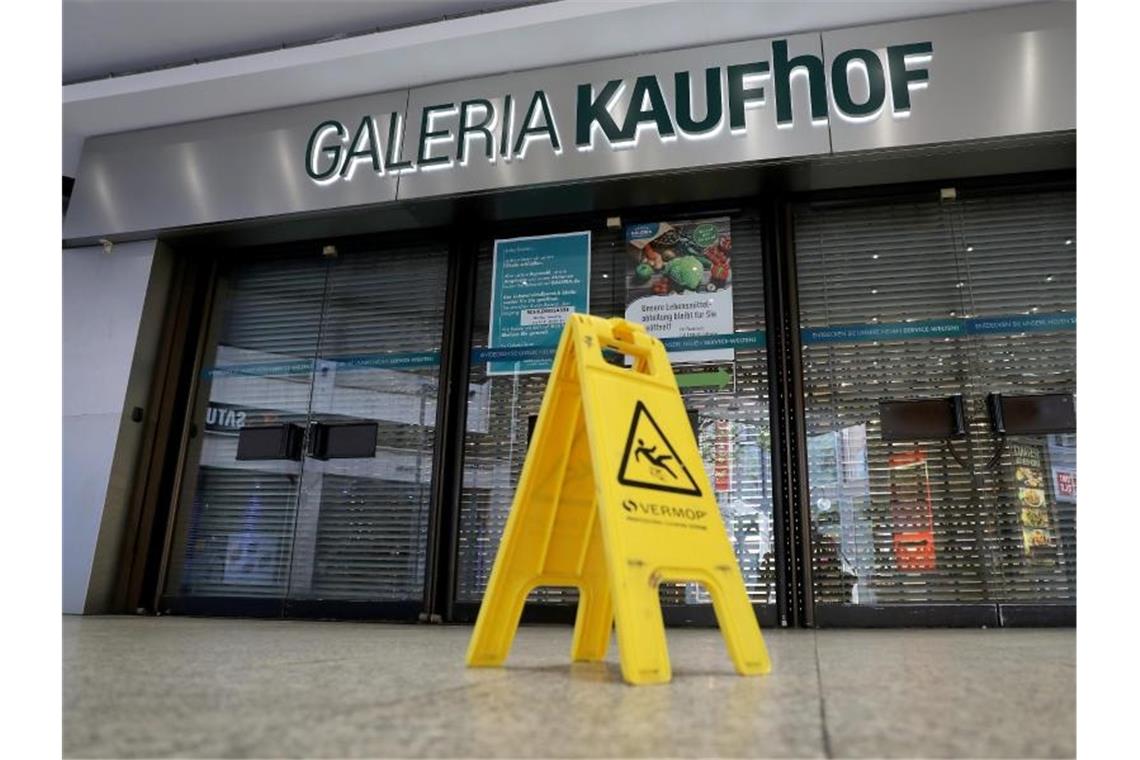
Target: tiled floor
(155, 687)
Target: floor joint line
(826, 737)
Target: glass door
(307, 480)
(233, 539)
(362, 526)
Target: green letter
(841, 85)
(427, 135)
(396, 143)
(738, 94)
(657, 113)
(529, 131)
(901, 77)
(783, 75)
(505, 130)
(482, 126)
(684, 97)
(315, 148)
(591, 109)
(366, 130)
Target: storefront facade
(351, 307)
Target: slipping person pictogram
(658, 461)
(650, 460)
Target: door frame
(446, 606)
(177, 494)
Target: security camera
(107, 245)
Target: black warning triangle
(650, 461)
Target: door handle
(265, 442)
(318, 441)
(343, 440)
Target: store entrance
(307, 476)
(925, 300)
(709, 308)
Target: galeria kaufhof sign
(932, 81)
(861, 85)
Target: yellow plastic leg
(595, 618)
(495, 629)
(737, 622)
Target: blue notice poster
(537, 282)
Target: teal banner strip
(751, 339)
(415, 360)
(858, 333)
(515, 354)
(940, 328)
(388, 361)
(1021, 323)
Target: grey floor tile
(217, 688)
(547, 707)
(161, 686)
(949, 693)
(147, 687)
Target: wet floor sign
(614, 500)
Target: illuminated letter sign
(485, 127)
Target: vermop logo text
(505, 128)
(662, 510)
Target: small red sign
(1066, 484)
(722, 477)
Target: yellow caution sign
(614, 500)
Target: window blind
(910, 298)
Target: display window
(929, 296)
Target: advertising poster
(679, 282)
(537, 282)
(1031, 502)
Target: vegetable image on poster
(679, 282)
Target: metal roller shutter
(915, 298)
(1021, 259)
